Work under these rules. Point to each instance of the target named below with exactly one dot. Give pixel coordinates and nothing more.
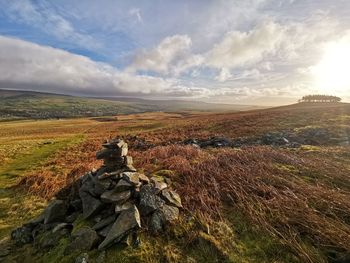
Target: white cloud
(239, 49)
(224, 75)
(136, 12)
(42, 16)
(159, 59)
(25, 64)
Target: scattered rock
(212, 142)
(22, 235)
(127, 221)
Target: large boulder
(55, 212)
(126, 222)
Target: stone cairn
(115, 199)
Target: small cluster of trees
(320, 98)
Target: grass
(260, 204)
(16, 205)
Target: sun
(332, 74)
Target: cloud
(136, 12)
(160, 58)
(236, 50)
(240, 49)
(25, 65)
(44, 17)
(224, 75)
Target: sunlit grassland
(252, 204)
(24, 147)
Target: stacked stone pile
(116, 199)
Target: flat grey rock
(91, 205)
(131, 177)
(113, 196)
(55, 212)
(149, 201)
(123, 207)
(84, 239)
(123, 185)
(104, 222)
(172, 198)
(126, 221)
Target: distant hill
(15, 104)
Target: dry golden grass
(299, 196)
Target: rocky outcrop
(114, 198)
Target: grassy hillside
(255, 203)
(34, 105)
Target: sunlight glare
(332, 74)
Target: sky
(265, 52)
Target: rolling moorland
(278, 193)
(19, 105)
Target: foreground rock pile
(115, 199)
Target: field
(22, 105)
(255, 203)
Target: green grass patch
(17, 206)
(21, 164)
